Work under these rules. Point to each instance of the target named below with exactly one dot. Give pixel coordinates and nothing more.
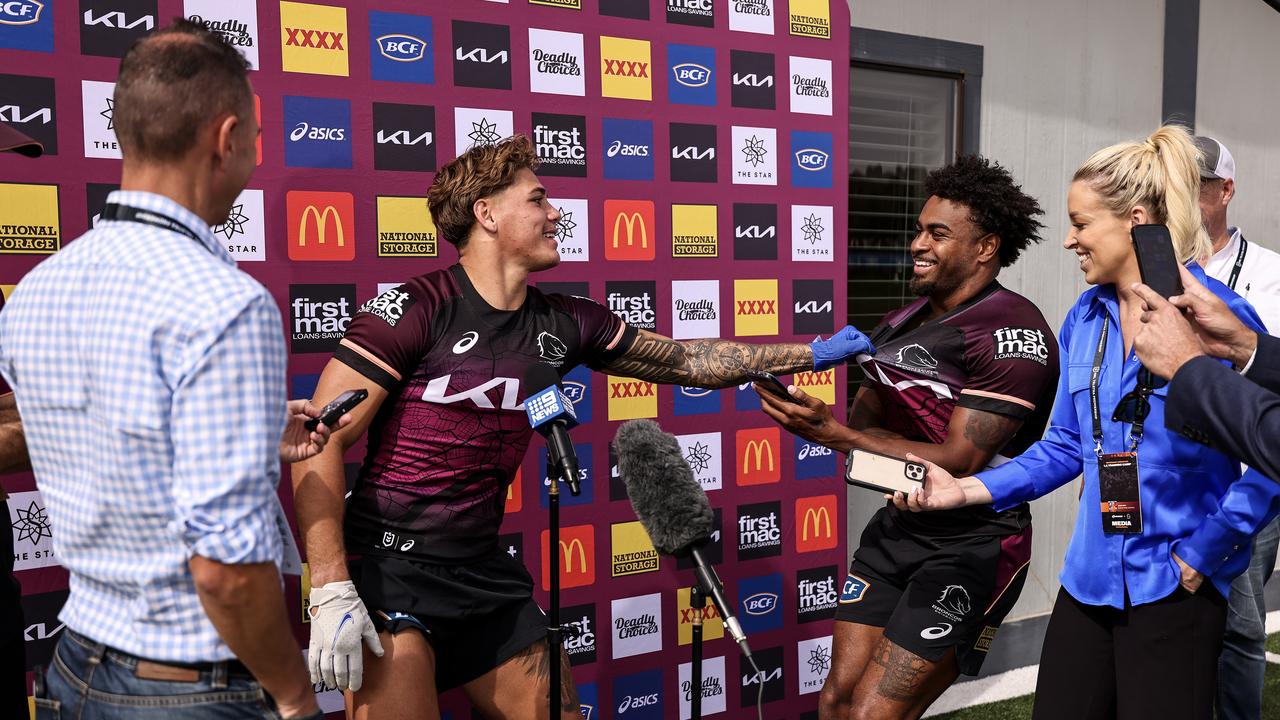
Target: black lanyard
(1093, 384)
(1135, 431)
(127, 213)
(1235, 270)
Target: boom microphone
(672, 507)
(551, 414)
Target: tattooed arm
(706, 363)
(13, 441)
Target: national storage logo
(632, 550)
(816, 523)
(321, 225)
(625, 68)
(319, 316)
(693, 231)
(755, 307)
(630, 232)
(313, 38)
(577, 557)
(405, 228)
(810, 18)
(29, 223)
(401, 48)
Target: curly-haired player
(442, 357)
(963, 376)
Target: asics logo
(468, 340)
(936, 631)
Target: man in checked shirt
(150, 376)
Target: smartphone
(883, 473)
(330, 414)
(1157, 261)
(770, 383)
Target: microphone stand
(697, 601)
(556, 470)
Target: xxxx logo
(708, 612)
(631, 390)
(825, 377)
(757, 307)
(626, 68)
(320, 39)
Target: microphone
(672, 507)
(551, 414)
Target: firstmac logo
(321, 225)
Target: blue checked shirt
(150, 375)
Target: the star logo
(32, 524)
(234, 225)
(813, 229)
(108, 113)
(483, 132)
(698, 457)
(819, 659)
(755, 151)
(566, 225)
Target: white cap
(1216, 162)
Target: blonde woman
(1164, 523)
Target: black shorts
(475, 616)
(933, 594)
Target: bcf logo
(760, 600)
(401, 47)
(691, 80)
(321, 225)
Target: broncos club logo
(916, 356)
(552, 349)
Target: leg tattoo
(904, 672)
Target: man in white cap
(1254, 273)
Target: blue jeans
(1243, 662)
(88, 681)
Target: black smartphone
(330, 414)
(883, 473)
(1157, 260)
(770, 383)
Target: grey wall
(1060, 80)
(1237, 102)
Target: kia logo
(761, 603)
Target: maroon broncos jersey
(994, 353)
(450, 436)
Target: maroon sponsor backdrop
(694, 148)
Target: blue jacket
(1194, 500)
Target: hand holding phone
(770, 384)
(883, 473)
(330, 414)
(1157, 259)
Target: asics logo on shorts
(937, 631)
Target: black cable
(760, 676)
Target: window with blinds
(902, 125)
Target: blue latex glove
(845, 344)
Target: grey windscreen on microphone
(667, 499)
